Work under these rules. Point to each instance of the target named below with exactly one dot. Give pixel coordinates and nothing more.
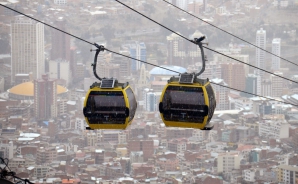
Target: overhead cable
(203, 46)
(146, 62)
(231, 34)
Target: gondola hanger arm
(99, 49)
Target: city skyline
(45, 75)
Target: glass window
(184, 104)
(105, 107)
(132, 103)
(212, 101)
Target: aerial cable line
(81, 38)
(204, 46)
(144, 61)
(231, 34)
(46, 24)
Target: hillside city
(45, 75)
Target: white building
(181, 3)
(242, 102)
(6, 150)
(151, 99)
(275, 50)
(91, 139)
(80, 124)
(122, 138)
(41, 171)
(60, 2)
(27, 47)
(260, 55)
(221, 94)
(274, 127)
(249, 175)
(60, 69)
(151, 102)
(226, 162)
(198, 135)
(277, 84)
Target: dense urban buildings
(45, 75)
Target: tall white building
(275, 50)
(60, 69)
(27, 47)
(260, 55)
(277, 85)
(151, 100)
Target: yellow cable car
(188, 101)
(108, 104)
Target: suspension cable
(144, 61)
(231, 33)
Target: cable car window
(132, 103)
(184, 104)
(212, 102)
(105, 107)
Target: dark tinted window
(184, 104)
(132, 103)
(105, 107)
(212, 101)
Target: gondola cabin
(187, 102)
(109, 105)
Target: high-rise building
(260, 54)
(234, 75)
(275, 50)
(277, 84)
(151, 102)
(251, 85)
(266, 86)
(137, 50)
(27, 47)
(45, 98)
(194, 7)
(60, 69)
(60, 41)
(181, 3)
(221, 94)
